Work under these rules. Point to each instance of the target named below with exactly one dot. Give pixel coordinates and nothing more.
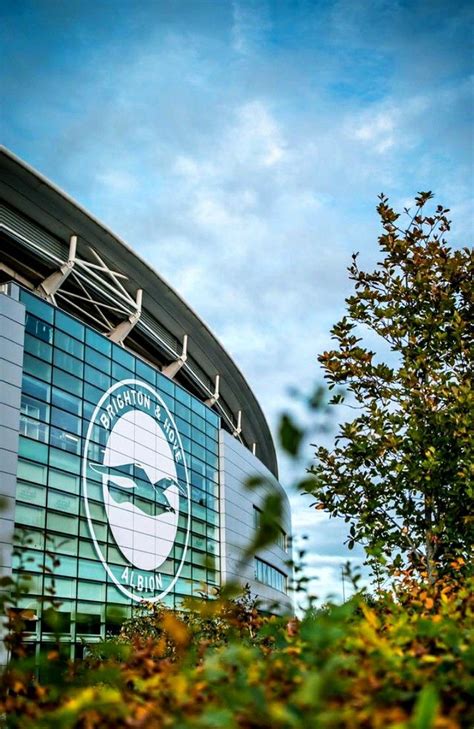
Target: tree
(400, 472)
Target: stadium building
(127, 431)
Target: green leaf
(426, 708)
(290, 435)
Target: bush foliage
(402, 660)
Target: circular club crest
(135, 480)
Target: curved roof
(58, 215)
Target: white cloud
(117, 181)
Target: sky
(239, 147)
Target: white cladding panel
(237, 503)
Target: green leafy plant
(401, 470)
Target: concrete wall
(12, 331)
(237, 464)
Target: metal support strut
(238, 428)
(52, 283)
(215, 396)
(174, 367)
(123, 329)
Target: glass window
(68, 344)
(75, 392)
(31, 493)
(61, 501)
(66, 421)
(65, 441)
(36, 367)
(34, 472)
(101, 380)
(64, 481)
(37, 306)
(61, 586)
(67, 382)
(197, 421)
(67, 566)
(27, 559)
(88, 623)
(61, 523)
(56, 621)
(30, 515)
(183, 397)
(36, 388)
(67, 362)
(115, 596)
(198, 451)
(91, 393)
(182, 412)
(38, 328)
(120, 373)
(97, 360)
(145, 371)
(183, 427)
(165, 385)
(100, 530)
(62, 544)
(91, 591)
(38, 348)
(64, 461)
(212, 432)
(70, 325)
(34, 408)
(123, 357)
(87, 549)
(270, 575)
(31, 538)
(92, 570)
(33, 450)
(98, 342)
(33, 429)
(198, 408)
(66, 401)
(212, 418)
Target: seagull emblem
(153, 499)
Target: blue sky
(239, 147)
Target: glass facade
(65, 542)
(268, 575)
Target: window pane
(64, 481)
(34, 451)
(70, 324)
(33, 429)
(66, 401)
(61, 501)
(68, 344)
(67, 382)
(68, 363)
(31, 493)
(99, 342)
(91, 591)
(123, 357)
(38, 348)
(29, 515)
(31, 472)
(65, 441)
(62, 523)
(34, 387)
(37, 368)
(65, 461)
(37, 306)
